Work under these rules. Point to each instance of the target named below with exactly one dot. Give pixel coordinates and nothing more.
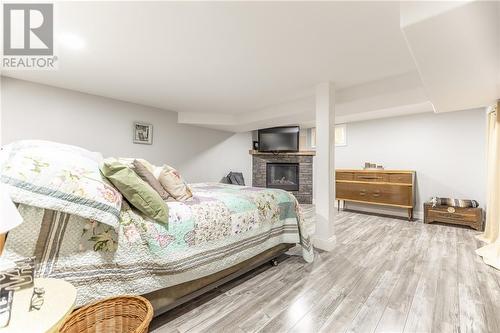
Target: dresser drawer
(402, 178)
(344, 176)
(375, 193)
(371, 177)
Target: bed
(221, 232)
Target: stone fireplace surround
(305, 160)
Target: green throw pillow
(137, 191)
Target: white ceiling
(232, 65)
(457, 51)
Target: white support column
(324, 180)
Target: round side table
(59, 299)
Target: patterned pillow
(452, 202)
(173, 183)
(142, 171)
(59, 177)
(137, 191)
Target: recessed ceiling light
(71, 41)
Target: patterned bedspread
(222, 225)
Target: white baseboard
(400, 212)
(325, 244)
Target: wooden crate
(472, 217)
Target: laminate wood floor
(385, 275)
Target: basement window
(340, 136)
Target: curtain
(491, 235)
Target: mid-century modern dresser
(379, 187)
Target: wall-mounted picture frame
(143, 133)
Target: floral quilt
(217, 211)
(221, 226)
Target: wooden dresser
(378, 187)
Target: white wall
(34, 111)
(447, 151)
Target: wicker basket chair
(122, 314)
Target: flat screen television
(279, 139)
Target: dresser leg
(410, 214)
(338, 205)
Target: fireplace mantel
(298, 153)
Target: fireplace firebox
(304, 180)
(284, 176)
